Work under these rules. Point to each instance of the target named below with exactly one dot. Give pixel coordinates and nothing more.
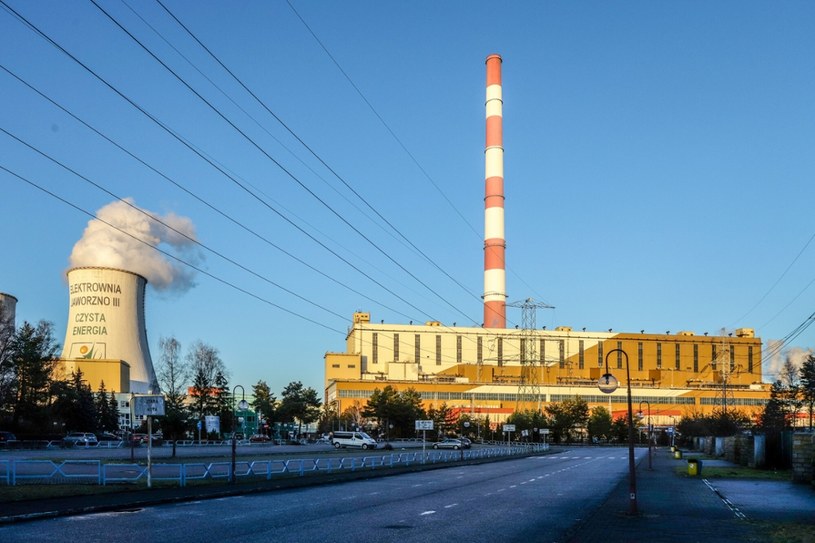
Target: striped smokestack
(495, 295)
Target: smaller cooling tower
(106, 322)
(8, 309)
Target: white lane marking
(451, 505)
(427, 513)
(727, 502)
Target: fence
(14, 472)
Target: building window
(619, 355)
(750, 359)
(732, 358)
(713, 355)
(417, 348)
(479, 350)
(375, 347)
(599, 354)
(543, 351)
(695, 358)
(659, 356)
(395, 347)
(335, 365)
(561, 353)
(639, 355)
(458, 349)
(438, 350)
(677, 359)
(500, 351)
(581, 361)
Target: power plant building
(481, 371)
(493, 371)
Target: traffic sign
(424, 424)
(148, 405)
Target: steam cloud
(104, 246)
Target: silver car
(79, 439)
(448, 443)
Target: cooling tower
(8, 308)
(106, 322)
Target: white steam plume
(104, 246)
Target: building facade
(496, 371)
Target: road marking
(727, 502)
(427, 513)
(451, 505)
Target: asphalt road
(531, 499)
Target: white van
(353, 439)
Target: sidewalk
(674, 508)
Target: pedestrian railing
(15, 472)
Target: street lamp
(608, 384)
(649, 429)
(243, 405)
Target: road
(537, 498)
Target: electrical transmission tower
(529, 384)
(725, 365)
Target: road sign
(148, 405)
(509, 427)
(424, 424)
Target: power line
(168, 254)
(195, 196)
(276, 162)
(221, 170)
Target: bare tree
(174, 377)
(205, 365)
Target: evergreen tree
(75, 404)
(107, 418)
(264, 403)
(300, 404)
(807, 386)
(26, 373)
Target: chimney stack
(494, 244)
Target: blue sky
(658, 164)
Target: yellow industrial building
(496, 371)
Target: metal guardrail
(14, 472)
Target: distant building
(485, 371)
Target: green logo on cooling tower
(88, 351)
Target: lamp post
(649, 429)
(608, 384)
(243, 405)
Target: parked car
(259, 438)
(465, 442)
(79, 439)
(5, 437)
(107, 436)
(448, 443)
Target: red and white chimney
(495, 296)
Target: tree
(7, 374)
(173, 376)
(599, 423)
(205, 364)
(107, 418)
(807, 386)
(75, 404)
(391, 407)
(264, 402)
(443, 417)
(299, 404)
(566, 416)
(28, 364)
